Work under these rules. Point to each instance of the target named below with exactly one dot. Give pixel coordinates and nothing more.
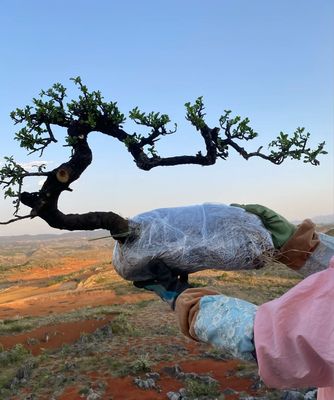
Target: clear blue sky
(269, 60)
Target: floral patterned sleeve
(227, 323)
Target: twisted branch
(91, 113)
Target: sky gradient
(271, 61)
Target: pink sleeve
(294, 334)
(325, 393)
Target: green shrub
(121, 326)
(15, 354)
(196, 389)
(142, 364)
(15, 325)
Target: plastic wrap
(193, 238)
(319, 258)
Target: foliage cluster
(90, 112)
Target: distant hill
(46, 237)
(324, 219)
(319, 220)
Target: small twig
(43, 147)
(18, 201)
(52, 138)
(15, 219)
(114, 236)
(103, 237)
(26, 174)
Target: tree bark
(44, 203)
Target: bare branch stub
(90, 113)
(18, 218)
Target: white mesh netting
(193, 238)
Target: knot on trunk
(63, 175)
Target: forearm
(299, 247)
(225, 322)
(319, 258)
(292, 336)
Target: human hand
(168, 285)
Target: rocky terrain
(70, 328)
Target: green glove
(281, 229)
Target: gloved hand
(167, 285)
(227, 323)
(281, 229)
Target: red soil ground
(31, 297)
(46, 301)
(67, 265)
(28, 295)
(53, 336)
(124, 389)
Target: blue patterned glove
(227, 323)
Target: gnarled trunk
(44, 203)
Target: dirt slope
(70, 328)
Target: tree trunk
(44, 203)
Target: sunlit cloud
(33, 165)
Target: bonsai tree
(91, 113)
